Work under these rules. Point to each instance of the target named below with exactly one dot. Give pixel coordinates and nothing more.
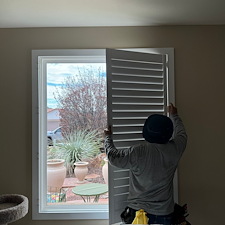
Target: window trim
(69, 214)
(39, 187)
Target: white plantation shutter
(137, 87)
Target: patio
(71, 182)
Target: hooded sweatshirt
(152, 168)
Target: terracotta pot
(105, 170)
(80, 171)
(56, 173)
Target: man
(152, 166)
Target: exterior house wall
(199, 86)
(53, 119)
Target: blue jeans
(165, 220)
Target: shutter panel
(137, 88)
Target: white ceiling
(89, 13)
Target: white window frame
(39, 187)
(40, 210)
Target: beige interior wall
(200, 93)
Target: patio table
(91, 189)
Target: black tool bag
(128, 215)
(180, 214)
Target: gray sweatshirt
(152, 167)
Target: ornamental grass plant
(78, 146)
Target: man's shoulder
(142, 146)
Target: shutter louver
(137, 88)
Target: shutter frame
(118, 88)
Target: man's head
(158, 129)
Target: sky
(58, 72)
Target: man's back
(152, 163)
(152, 169)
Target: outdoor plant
(52, 153)
(77, 146)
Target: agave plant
(77, 146)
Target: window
(138, 84)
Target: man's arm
(118, 158)
(179, 135)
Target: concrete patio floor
(71, 198)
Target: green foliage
(78, 146)
(53, 153)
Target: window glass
(77, 91)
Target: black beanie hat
(158, 129)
